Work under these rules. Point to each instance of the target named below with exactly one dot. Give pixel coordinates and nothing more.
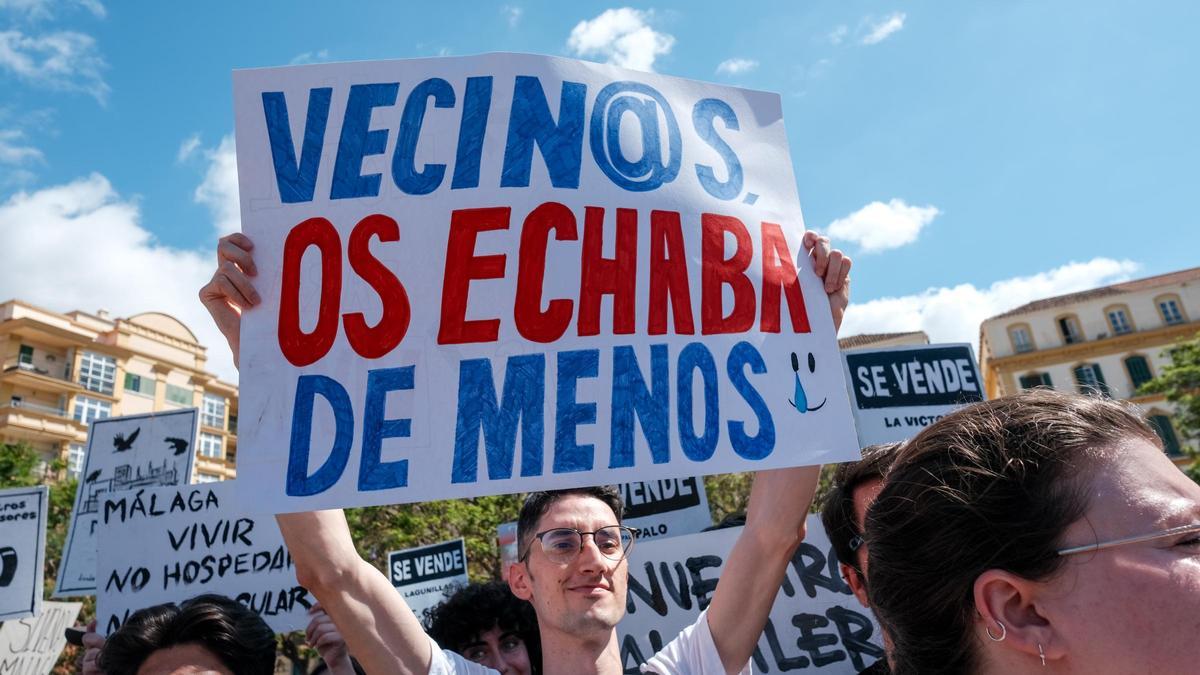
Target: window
(213, 412)
(1139, 371)
(97, 372)
(1090, 380)
(1168, 307)
(1021, 339)
(1036, 380)
(207, 478)
(211, 445)
(25, 356)
(140, 384)
(75, 455)
(233, 424)
(89, 409)
(179, 395)
(1068, 326)
(15, 401)
(1118, 320)
(1162, 425)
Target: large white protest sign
(507, 272)
(22, 550)
(123, 453)
(173, 543)
(900, 390)
(815, 625)
(426, 574)
(666, 508)
(31, 646)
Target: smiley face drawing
(800, 403)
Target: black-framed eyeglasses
(562, 544)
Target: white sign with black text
(898, 391)
(31, 646)
(123, 453)
(22, 550)
(666, 508)
(425, 575)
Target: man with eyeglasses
(573, 567)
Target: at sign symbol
(626, 103)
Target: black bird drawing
(122, 444)
(179, 444)
(93, 476)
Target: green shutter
(1162, 425)
(1139, 371)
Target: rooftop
(1168, 279)
(867, 339)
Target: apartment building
(1107, 340)
(60, 372)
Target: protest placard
(123, 453)
(425, 575)
(172, 543)
(507, 272)
(900, 390)
(22, 550)
(815, 625)
(31, 646)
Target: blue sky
(971, 156)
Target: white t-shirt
(692, 652)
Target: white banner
(501, 273)
(123, 453)
(898, 391)
(816, 624)
(174, 543)
(22, 550)
(32, 646)
(425, 575)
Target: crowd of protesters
(1040, 532)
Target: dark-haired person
(855, 486)
(1037, 533)
(487, 624)
(207, 634)
(576, 581)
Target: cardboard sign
(22, 550)
(123, 453)
(174, 543)
(427, 574)
(31, 646)
(900, 390)
(501, 273)
(815, 625)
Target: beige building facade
(1107, 340)
(60, 372)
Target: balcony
(26, 374)
(37, 422)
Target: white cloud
(319, 56)
(879, 226)
(14, 150)
(81, 246)
(219, 189)
(953, 314)
(36, 10)
(513, 14)
(837, 35)
(878, 30)
(736, 66)
(64, 61)
(188, 147)
(621, 37)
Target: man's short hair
(538, 503)
(474, 609)
(837, 512)
(234, 633)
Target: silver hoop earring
(993, 638)
(1042, 654)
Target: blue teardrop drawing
(800, 402)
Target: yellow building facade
(1105, 340)
(59, 372)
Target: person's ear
(1012, 616)
(519, 581)
(855, 582)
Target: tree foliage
(1179, 381)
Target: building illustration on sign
(126, 477)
